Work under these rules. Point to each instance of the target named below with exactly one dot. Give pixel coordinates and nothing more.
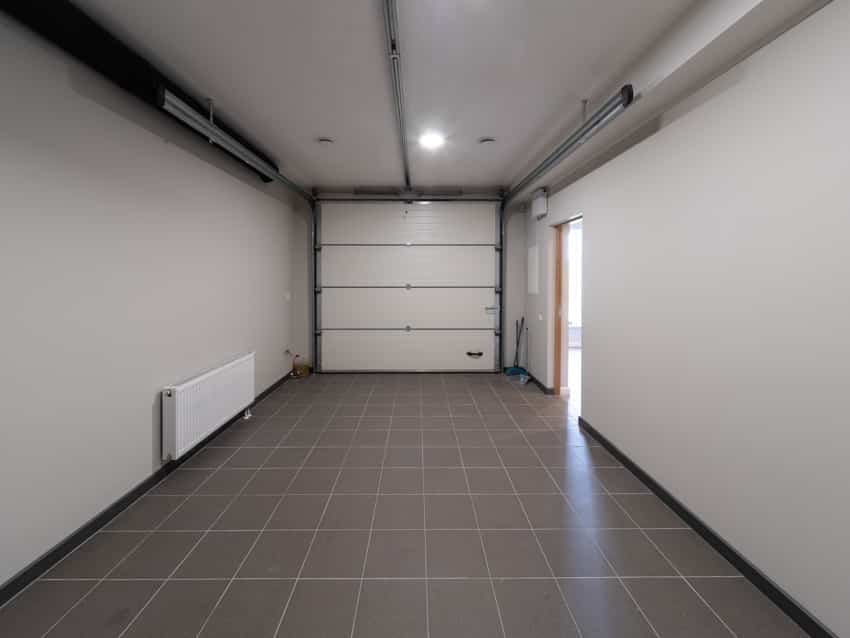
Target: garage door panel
(399, 223)
(416, 307)
(414, 265)
(418, 350)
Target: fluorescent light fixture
(431, 140)
(197, 121)
(591, 126)
(189, 116)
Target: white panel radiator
(194, 409)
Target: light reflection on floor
(574, 380)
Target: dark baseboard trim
(47, 560)
(782, 600)
(543, 388)
(536, 381)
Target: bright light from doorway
(431, 140)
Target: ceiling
(288, 71)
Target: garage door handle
(475, 355)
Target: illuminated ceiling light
(431, 140)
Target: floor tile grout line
(222, 530)
(642, 529)
(402, 578)
(411, 468)
(128, 554)
(197, 543)
(672, 565)
(104, 527)
(484, 552)
(536, 539)
(425, 530)
(602, 553)
(523, 403)
(313, 539)
(369, 537)
(282, 496)
(400, 467)
(592, 537)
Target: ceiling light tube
(595, 123)
(200, 123)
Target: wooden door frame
(559, 292)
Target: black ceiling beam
(73, 31)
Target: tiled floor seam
(315, 534)
(98, 531)
(128, 554)
(536, 538)
(379, 578)
(369, 537)
(490, 415)
(674, 567)
(396, 529)
(268, 520)
(209, 529)
(595, 542)
(191, 549)
(425, 536)
(484, 552)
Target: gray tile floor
(397, 506)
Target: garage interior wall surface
(132, 256)
(515, 282)
(540, 287)
(709, 248)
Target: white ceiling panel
(513, 70)
(285, 71)
(288, 71)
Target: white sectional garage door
(408, 286)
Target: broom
(516, 369)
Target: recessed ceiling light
(486, 140)
(431, 140)
(325, 140)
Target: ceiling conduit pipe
(592, 125)
(391, 28)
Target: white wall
(132, 255)
(540, 237)
(707, 247)
(515, 281)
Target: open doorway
(568, 309)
